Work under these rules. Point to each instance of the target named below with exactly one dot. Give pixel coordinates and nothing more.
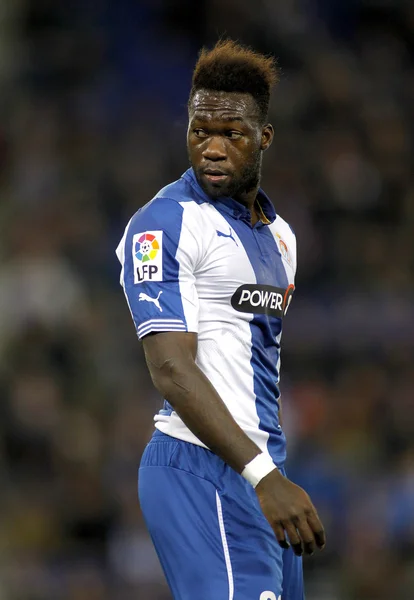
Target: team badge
(284, 251)
(147, 256)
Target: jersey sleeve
(159, 253)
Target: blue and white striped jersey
(190, 263)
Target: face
(225, 142)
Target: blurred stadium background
(93, 121)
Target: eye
(233, 135)
(200, 132)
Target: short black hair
(232, 67)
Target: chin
(213, 190)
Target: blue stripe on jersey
(265, 258)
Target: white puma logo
(155, 301)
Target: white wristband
(258, 468)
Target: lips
(215, 175)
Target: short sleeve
(159, 254)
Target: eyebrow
(226, 119)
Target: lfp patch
(147, 256)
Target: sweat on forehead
(217, 101)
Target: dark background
(93, 119)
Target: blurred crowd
(93, 104)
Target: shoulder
(176, 216)
(172, 216)
(283, 228)
(170, 206)
(180, 191)
(286, 239)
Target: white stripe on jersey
(187, 279)
(225, 546)
(161, 327)
(145, 324)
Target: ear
(267, 137)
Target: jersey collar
(231, 206)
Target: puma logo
(227, 235)
(155, 301)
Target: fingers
(304, 533)
(317, 529)
(307, 536)
(292, 516)
(294, 538)
(281, 537)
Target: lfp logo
(147, 256)
(148, 247)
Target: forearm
(200, 407)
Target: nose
(216, 149)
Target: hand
(289, 509)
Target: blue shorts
(207, 527)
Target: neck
(248, 198)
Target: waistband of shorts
(159, 437)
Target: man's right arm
(170, 358)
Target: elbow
(162, 384)
(171, 378)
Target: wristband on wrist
(258, 468)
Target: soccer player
(208, 272)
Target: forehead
(210, 104)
